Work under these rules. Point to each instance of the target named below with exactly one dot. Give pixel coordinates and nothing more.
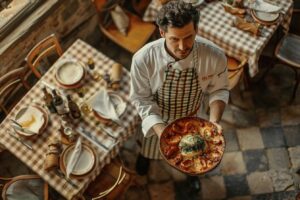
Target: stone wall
(68, 19)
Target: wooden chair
(138, 34)
(288, 52)
(42, 51)
(113, 181)
(235, 75)
(235, 71)
(140, 6)
(10, 85)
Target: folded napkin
(102, 103)
(251, 27)
(32, 119)
(74, 157)
(261, 5)
(233, 10)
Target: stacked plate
(33, 120)
(69, 73)
(85, 163)
(265, 17)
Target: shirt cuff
(148, 123)
(222, 95)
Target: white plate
(33, 118)
(86, 160)
(194, 2)
(117, 100)
(69, 71)
(264, 16)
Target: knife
(108, 132)
(92, 138)
(74, 157)
(20, 140)
(18, 127)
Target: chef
(170, 76)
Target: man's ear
(162, 33)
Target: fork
(59, 173)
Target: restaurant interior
(40, 40)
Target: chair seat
(288, 50)
(235, 71)
(138, 34)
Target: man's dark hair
(177, 14)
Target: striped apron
(179, 96)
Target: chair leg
(297, 79)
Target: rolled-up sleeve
(218, 87)
(142, 98)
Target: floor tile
(272, 137)
(241, 198)
(282, 180)
(268, 117)
(236, 185)
(245, 118)
(289, 195)
(290, 115)
(260, 182)
(183, 192)
(213, 188)
(278, 158)
(292, 135)
(250, 138)
(162, 191)
(294, 153)
(233, 163)
(256, 160)
(231, 140)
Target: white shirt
(148, 73)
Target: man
(170, 75)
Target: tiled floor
(262, 148)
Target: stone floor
(262, 158)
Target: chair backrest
(42, 50)
(235, 71)
(9, 86)
(113, 181)
(140, 6)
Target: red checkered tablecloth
(35, 159)
(217, 25)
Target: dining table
(73, 188)
(217, 25)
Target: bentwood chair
(288, 52)
(139, 32)
(140, 6)
(235, 75)
(11, 85)
(40, 54)
(113, 181)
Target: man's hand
(159, 128)
(219, 127)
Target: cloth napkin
(251, 27)
(32, 119)
(101, 102)
(74, 157)
(261, 5)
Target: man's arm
(216, 111)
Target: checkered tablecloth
(35, 159)
(217, 25)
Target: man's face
(180, 41)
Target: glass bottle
(48, 100)
(58, 103)
(73, 108)
(91, 64)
